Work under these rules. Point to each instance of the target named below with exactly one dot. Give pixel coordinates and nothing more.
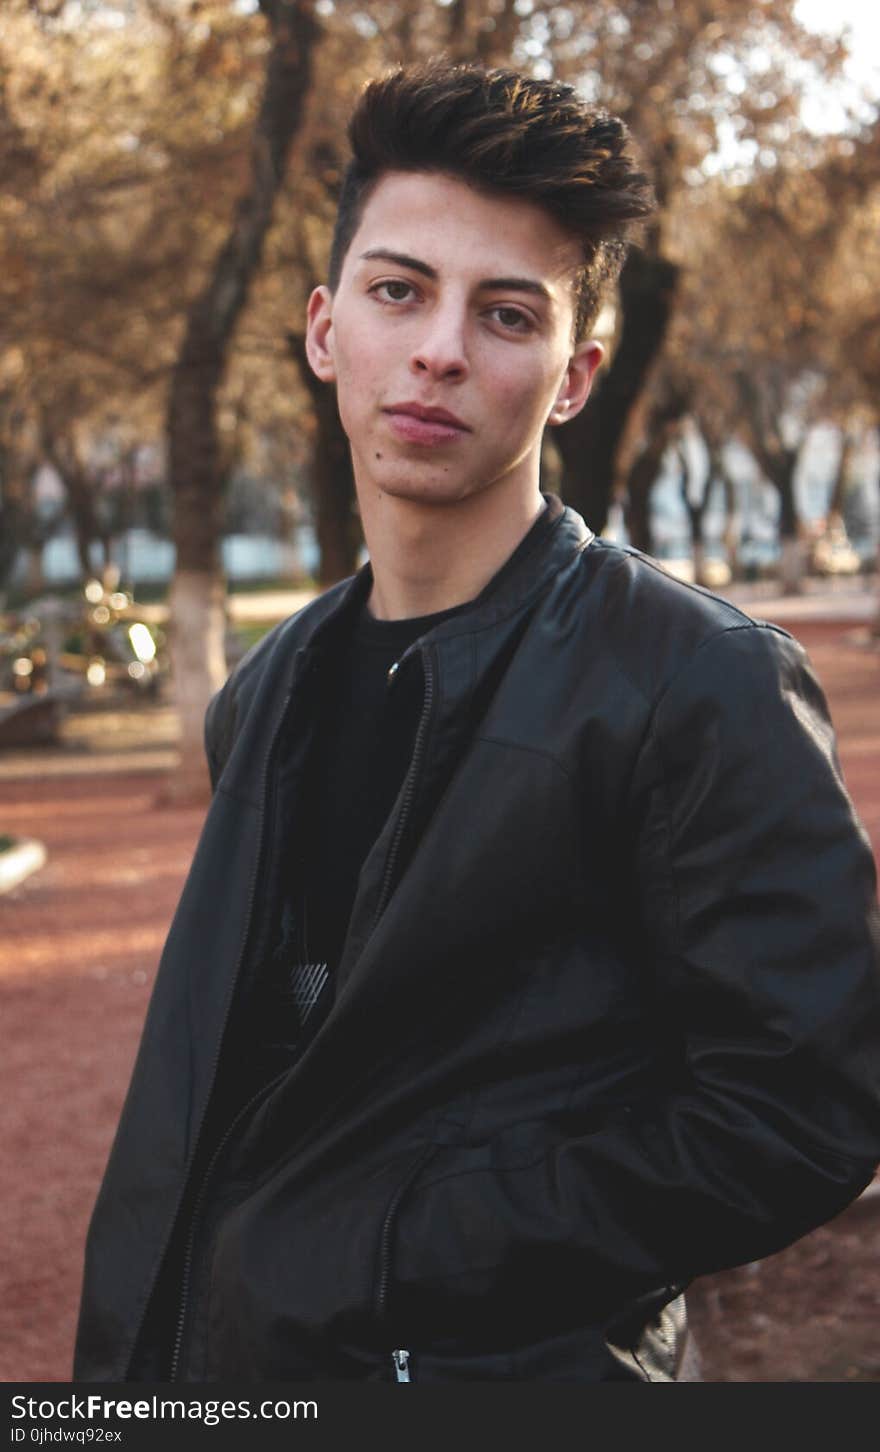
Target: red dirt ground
(79, 943)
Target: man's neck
(427, 558)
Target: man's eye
(393, 291)
(512, 319)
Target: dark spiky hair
(508, 134)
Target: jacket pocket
(416, 1349)
(433, 1366)
(295, 1271)
(481, 1259)
(450, 1283)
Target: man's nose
(441, 350)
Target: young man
(527, 966)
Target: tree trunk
(20, 526)
(198, 632)
(696, 518)
(337, 525)
(698, 556)
(10, 535)
(791, 565)
(732, 532)
(779, 461)
(80, 501)
(791, 551)
(194, 456)
(16, 472)
(663, 424)
(80, 489)
(590, 444)
(696, 513)
(840, 483)
(35, 578)
(640, 482)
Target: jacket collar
(556, 538)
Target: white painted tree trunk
(197, 626)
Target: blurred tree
(689, 79)
(851, 298)
(766, 335)
(131, 131)
(696, 486)
(198, 591)
(117, 217)
(667, 409)
(718, 471)
(82, 487)
(19, 519)
(694, 82)
(337, 523)
(92, 277)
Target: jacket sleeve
(219, 730)
(228, 707)
(756, 889)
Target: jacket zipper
(401, 1365)
(409, 788)
(186, 1276)
(252, 892)
(399, 1358)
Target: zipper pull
(401, 1365)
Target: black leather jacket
(607, 1017)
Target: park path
(79, 944)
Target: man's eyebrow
(382, 254)
(512, 284)
(518, 284)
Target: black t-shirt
(368, 717)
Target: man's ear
(319, 334)
(578, 380)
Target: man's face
(449, 338)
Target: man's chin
(437, 493)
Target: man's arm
(756, 890)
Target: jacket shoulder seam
(747, 625)
(699, 590)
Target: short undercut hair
(506, 134)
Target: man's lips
(427, 413)
(421, 424)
